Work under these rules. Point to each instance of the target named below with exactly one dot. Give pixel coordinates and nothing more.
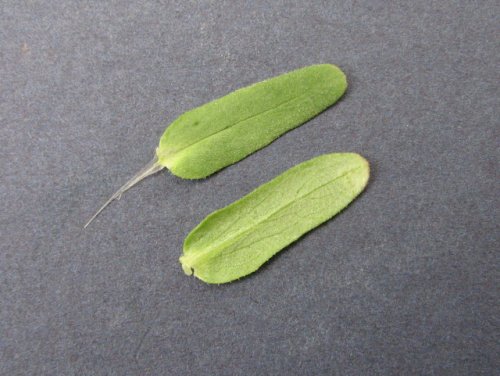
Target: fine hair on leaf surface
(219, 133)
(236, 240)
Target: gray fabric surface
(404, 282)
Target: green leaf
(224, 131)
(236, 240)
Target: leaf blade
(236, 240)
(226, 130)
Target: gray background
(401, 283)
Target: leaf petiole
(151, 168)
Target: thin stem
(151, 168)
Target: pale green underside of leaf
(236, 240)
(224, 131)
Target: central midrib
(228, 127)
(241, 234)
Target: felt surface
(403, 282)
